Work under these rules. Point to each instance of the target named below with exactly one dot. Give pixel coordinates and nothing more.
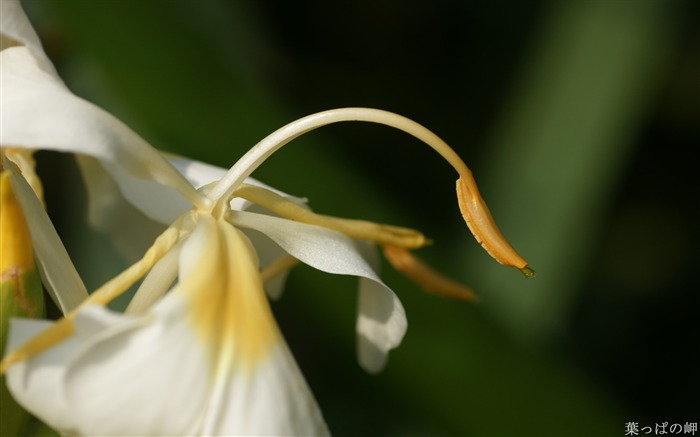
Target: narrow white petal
(381, 325)
(381, 322)
(319, 247)
(56, 268)
(17, 30)
(39, 112)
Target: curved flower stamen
(473, 207)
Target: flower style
(199, 342)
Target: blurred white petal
(110, 212)
(39, 112)
(18, 31)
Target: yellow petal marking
(380, 233)
(229, 309)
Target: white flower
(198, 351)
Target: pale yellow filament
(383, 234)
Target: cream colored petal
(39, 112)
(381, 321)
(56, 269)
(16, 30)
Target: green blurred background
(580, 120)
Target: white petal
(119, 375)
(274, 400)
(198, 173)
(150, 380)
(36, 384)
(161, 203)
(319, 247)
(156, 201)
(381, 318)
(158, 374)
(17, 30)
(56, 268)
(109, 212)
(39, 112)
